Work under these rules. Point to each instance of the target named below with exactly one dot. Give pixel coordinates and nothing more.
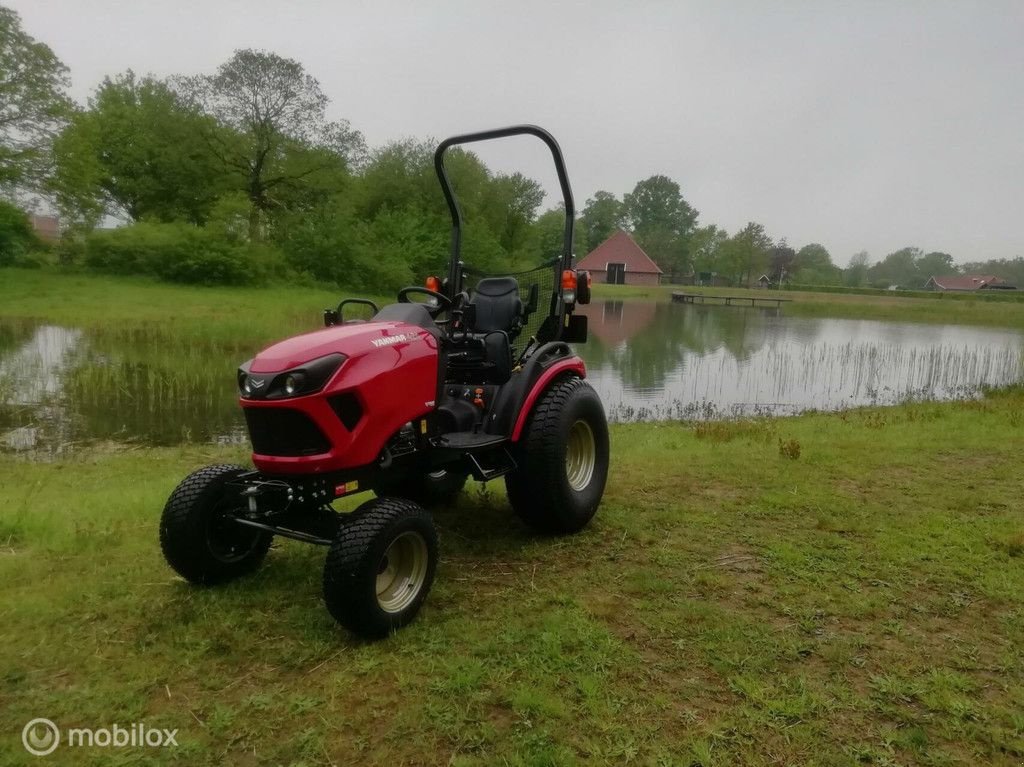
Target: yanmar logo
(391, 340)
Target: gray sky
(859, 125)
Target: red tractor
(477, 380)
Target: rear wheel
(381, 566)
(198, 534)
(562, 459)
(435, 488)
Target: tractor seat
(498, 306)
(482, 353)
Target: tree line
(239, 175)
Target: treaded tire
(539, 489)
(427, 489)
(196, 543)
(357, 558)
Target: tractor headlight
(297, 382)
(293, 383)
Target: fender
(572, 366)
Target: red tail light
(433, 283)
(569, 280)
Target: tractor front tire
(200, 539)
(562, 458)
(381, 566)
(429, 489)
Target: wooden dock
(701, 298)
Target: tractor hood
(354, 340)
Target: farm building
(968, 282)
(620, 261)
(47, 228)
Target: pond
(63, 387)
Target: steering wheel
(443, 302)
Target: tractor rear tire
(562, 458)
(429, 489)
(381, 566)
(200, 540)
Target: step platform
(486, 455)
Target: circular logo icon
(40, 737)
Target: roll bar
(454, 266)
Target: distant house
(968, 282)
(764, 281)
(620, 261)
(47, 228)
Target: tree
(746, 252)
(662, 222)
(1011, 270)
(275, 110)
(781, 259)
(706, 248)
(603, 214)
(138, 151)
(897, 268)
(813, 266)
(33, 104)
(856, 273)
(510, 205)
(934, 264)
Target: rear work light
(569, 286)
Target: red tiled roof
(966, 281)
(620, 248)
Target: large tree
(934, 264)
(706, 249)
(746, 252)
(33, 105)
(276, 111)
(813, 266)
(856, 273)
(510, 205)
(662, 222)
(138, 151)
(603, 214)
(898, 268)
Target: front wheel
(380, 567)
(562, 459)
(198, 534)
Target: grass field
(262, 313)
(828, 589)
(973, 311)
(821, 590)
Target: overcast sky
(859, 125)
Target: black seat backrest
(498, 306)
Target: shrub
(176, 252)
(17, 239)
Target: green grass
(224, 315)
(828, 589)
(152, 308)
(974, 310)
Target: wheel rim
(580, 455)
(228, 541)
(402, 572)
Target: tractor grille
(543, 277)
(284, 432)
(346, 406)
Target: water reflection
(61, 387)
(655, 360)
